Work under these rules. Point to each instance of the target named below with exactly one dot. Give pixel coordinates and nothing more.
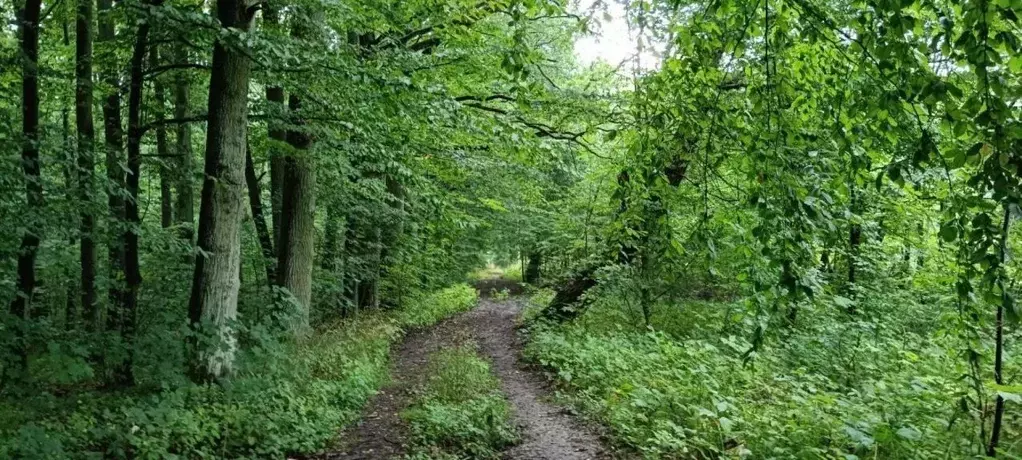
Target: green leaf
(948, 232)
(909, 433)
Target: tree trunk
(297, 222)
(567, 303)
(995, 431)
(70, 191)
(86, 162)
(333, 254)
(162, 150)
(277, 134)
(214, 297)
(331, 239)
(114, 140)
(184, 212)
(29, 35)
(854, 240)
(368, 287)
(531, 275)
(295, 258)
(133, 272)
(256, 204)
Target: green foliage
(288, 398)
(834, 390)
(536, 303)
(461, 412)
(426, 310)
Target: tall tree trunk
(295, 248)
(114, 139)
(297, 230)
(132, 268)
(184, 212)
(29, 35)
(86, 160)
(71, 189)
(162, 150)
(214, 297)
(277, 134)
(255, 202)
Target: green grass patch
(431, 308)
(461, 412)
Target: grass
(460, 412)
(288, 397)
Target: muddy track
(548, 432)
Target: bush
(461, 412)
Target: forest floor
(547, 431)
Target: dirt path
(547, 431)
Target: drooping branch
(540, 129)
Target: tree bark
(256, 204)
(114, 139)
(295, 249)
(132, 268)
(162, 150)
(184, 212)
(29, 37)
(297, 228)
(86, 162)
(214, 297)
(70, 192)
(277, 134)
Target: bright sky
(612, 41)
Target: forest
(518, 229)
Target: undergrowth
(287, 398)
(461, 413)
(833, 389)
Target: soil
(548, 431)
